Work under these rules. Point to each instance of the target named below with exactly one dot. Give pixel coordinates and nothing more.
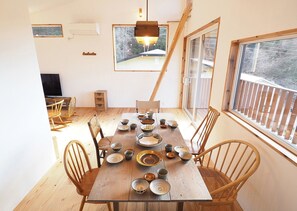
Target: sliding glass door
(200, 56)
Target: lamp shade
(146, 32)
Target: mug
(162, 121)
(150, 114)
(129, 154)
(133, 126)
(162, 173)
(168, 147)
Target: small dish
(179, 149)
(148, 158)
(141, 116)
(149, 139)
(140, 185)
(124, 121)
(147, 121)
(185, 156)
(160, 187)
(170, 155)
(116, 146)
(173, 124)
(147, 128)
(114, 158)
(123, 127)
(163, 126)
(149, 177)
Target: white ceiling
(38, 5)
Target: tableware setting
(149, 176)
(170, 155)
(185, 156)
(147, 128)
(124, 121)
(160, 187)
(129, 154)
(116, 146)
(140, 185)
(162, 173)
(149, 158)
(179, 149)
(114, 158)
(123, 127)
(172, 123)
(148, 139)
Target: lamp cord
(146, 10)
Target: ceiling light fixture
(146, 32)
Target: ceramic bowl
(147, 128)
(116, 146)
(185, 156)
(133, 126)
(149, 177)
(125, 121)
(140, 185)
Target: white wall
(274, 186)
(82, 75)
(26, 146)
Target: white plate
(160, 187)
(123, 127)
(179, 149)
(114, 158)
(148, 139)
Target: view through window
(266, 89)
(47, 30)
(131, 56)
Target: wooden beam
(172, 47)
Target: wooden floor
(56, 192)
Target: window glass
(131, 56)
(47, 30)
(266, 87)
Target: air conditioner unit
(84, 29)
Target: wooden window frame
(267, 137)
(48, 26)
(114, 50)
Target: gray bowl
(125, 121)
(116, 146)
(185, 156)
(140, 185)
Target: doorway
(200, 59)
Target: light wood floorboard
(56, 192)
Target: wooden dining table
(113, 182)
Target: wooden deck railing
(271, 107)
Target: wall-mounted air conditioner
(84, 29)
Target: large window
(131, 56)
(264, 92)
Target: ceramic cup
(133, 126)
(162, 121)
(129, 154)
(162, 173)
(150, 114)
(168, 147)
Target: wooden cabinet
(101, 100)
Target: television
(51, 84)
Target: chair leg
(82, 203)
(109, 206)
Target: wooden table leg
(116, 206)
(180, 206)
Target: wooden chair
(79, 171)
(225, 168)
(67, 114)
(54, 111)
(198, 141)
(103, 143)
(144, 106)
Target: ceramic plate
(149, 158)
(178, 149)
(114, 158)
(148, 139)
(170, 155)
(160, 187)
(123, 127)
